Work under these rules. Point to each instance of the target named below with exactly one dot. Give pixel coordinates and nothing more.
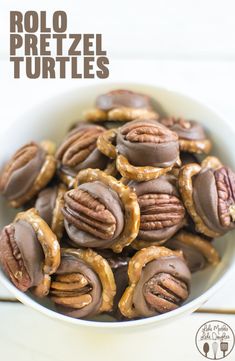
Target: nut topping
(159, 281)
(78, 145)
(11, 259)
(159, 211)
(165, 292)
(225, 183)
(143, 132)
(89, 214)
(171, 121)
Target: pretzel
(49, 243)
(122, 114)
(195, 146)
(186, 189)
(128, 199)
(139, 174)
(136, 264)
(127, 114)
(95, 115)
(105, 143)
(211, 162)
(48, 146)
(57, 225)
(140, 243)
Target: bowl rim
(186, 308)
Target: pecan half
(78, 145)
(225, 183)
(164, 292)
(11, 259)
(169, 122)
(159, 211)
(21, 255)
(143, 132)
(88, 214)
(162, 212)
(71, 290)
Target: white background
(186, 45)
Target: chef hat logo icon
(215, 340)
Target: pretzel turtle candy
(197, 251)
(186, 174)
(146, 150)
(50, 246)
(84, 284)
(49, 204)
(131, 211)
(121, 106)
(155, 274)
(192, 137)
(27, 172)
(79, 151)
(209, 198)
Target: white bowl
(52, 119)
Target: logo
(215, 340)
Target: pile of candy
(116, 218)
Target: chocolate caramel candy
(192, 137)
(29, 252)
(209, 196)
(27, 172)
(122, 98)
(159, 282)
(148, 143)
(121, 106)
(101, 212)
(79, 151)
(214, 198)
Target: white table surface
(26, 335)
